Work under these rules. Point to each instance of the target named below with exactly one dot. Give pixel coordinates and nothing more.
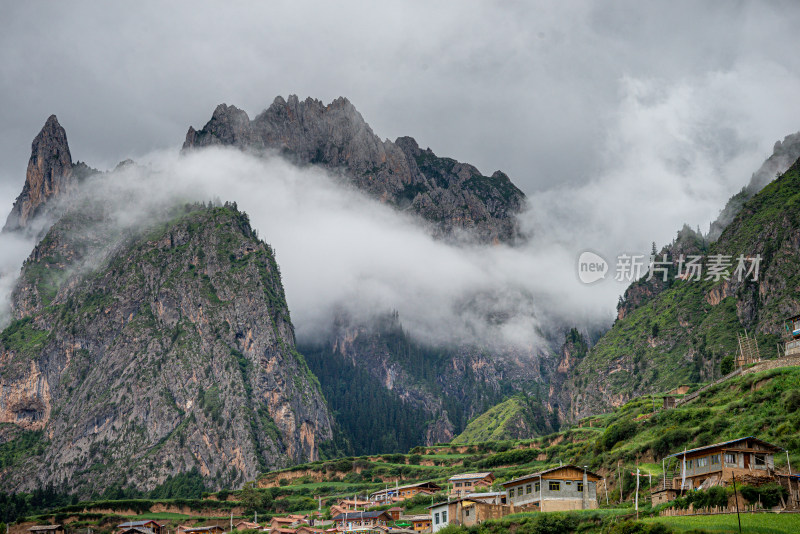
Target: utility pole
(619, 473)
(636, 499)
(736, 498)
(788, 463)
(605, 488)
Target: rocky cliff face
(143, 353)
(455, 199)
(49, 174)
(449, 384)
(784, 154)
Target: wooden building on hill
(402, 493)
(567, 487)
(141, 527)
(46, 529)
(461, 485)
(792, 345)
(716, 464)
(360, 520)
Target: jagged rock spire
(49, 174)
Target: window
(730, 458)
(761, 460)
(458, 484)
(555, 486)
(436, 518)
(511, 493)
(528, 489)
(580, 486)
(702, 462)
(537, 487)
(444, 517)
(714, 459)
(689, 464)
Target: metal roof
(723, 443)
(44, 527)
(470, 476)
(359, 515)
(540, 473)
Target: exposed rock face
(453, 197)
(49, 174)
(171, 349)
(784, 154)
(450, 384)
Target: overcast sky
(620, 120)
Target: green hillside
(518, 417)
(681, 332)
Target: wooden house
(402, 493)
(142, 527)
(465, 512)
(352, 504)
(210, 529)
(357, 520)
(46, 529)
(418, 522)
(395, 512)
(701, 468)
(461, 485)
(283, 522)
(792, 345)
(568, 487)
(246, 525)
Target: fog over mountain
(620, 122)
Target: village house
(211, 529)
(792, 345)
(568, 487)
(352, 504)
(246, 525)
(402, 493)
(395, 512)
(466, 483)
(466, 512)
(747, 458)
(283, 522)
(418, 522)
(306, 529)
(360, 520)
(142, 527)
(439, 516)
(47, 529)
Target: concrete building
(567, 487)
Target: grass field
(751, 523)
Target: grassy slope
(751, 523)
(679, 336)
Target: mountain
(784, 154)
(425, 383)
(681, 331)
(455, 199)
(141, 353)
(49, 174)
(437, 389)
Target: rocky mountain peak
(49, 174)
(453, 198)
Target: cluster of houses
(470, 500)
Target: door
(746, 460)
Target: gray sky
(620, 120)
